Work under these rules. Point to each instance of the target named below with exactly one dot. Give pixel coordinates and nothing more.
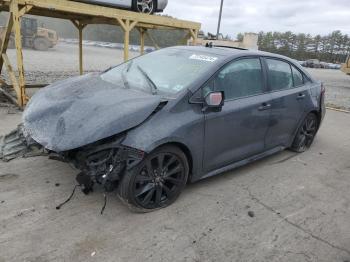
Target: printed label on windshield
(203, 58)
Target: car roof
(230, 52)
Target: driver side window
(238, 79)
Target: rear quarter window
(279, 74)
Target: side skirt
(244, 162)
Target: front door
(238, 131)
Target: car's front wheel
(145, 6)
(305, 134)
(156, 182)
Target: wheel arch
(318, 115)
(184, 149)
(313, 111)
(187, 153)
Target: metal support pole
(126, 40)
(81, 70)
(80, 26)
(219, 22)
(194, 34)
(18, 42)
(152, 40)
(6, 39)
(127, 26)
(142, 41)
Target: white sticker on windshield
(203, 58)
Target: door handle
(300, 96)
(264, 106)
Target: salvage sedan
(141, 6)
(149, 126)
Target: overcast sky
(305, 16)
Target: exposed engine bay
(100, 163)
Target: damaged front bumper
(19, 144)
(103, 162)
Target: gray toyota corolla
(147, 127)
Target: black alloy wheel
(306, 134)
(157, 181)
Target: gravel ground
(337, 86)
(61, 62)
(288, 207)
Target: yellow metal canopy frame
(80, 14)
(346, 66)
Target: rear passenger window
(240, 78)
(280, 75)
(297, 77)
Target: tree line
(332, 48)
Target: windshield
(167, 71)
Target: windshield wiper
(153, 86)
(125, 80)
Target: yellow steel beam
(142, 40)
(25, 10)
(127, 26)
(77, 8)
(80, 26)
(18, 40)
(152, 40)
(13, 79)
(194, 34)
(126, 39)
(6, 39)
(84, 14)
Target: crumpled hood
(82, 110)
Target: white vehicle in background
(141, 6)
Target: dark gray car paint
(184, 123)
(83, 110)
(180, 121)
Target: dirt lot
(61, 62)
(299, 206)
(337, 84)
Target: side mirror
(214, 99)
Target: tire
(140, 6)
(41, 44)
(305, 134)
(150, 186)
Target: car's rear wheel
(306, 134)
(145, 6)
(156, 182)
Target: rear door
(289, 93)
(238, 131)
